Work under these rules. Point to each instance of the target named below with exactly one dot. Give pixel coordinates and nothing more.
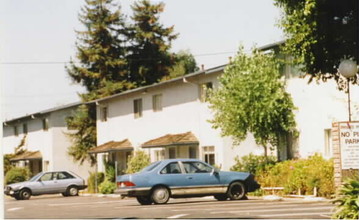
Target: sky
(38, 38)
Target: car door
(174, 177)
(62, 181)
(201, 179)
(46, 184)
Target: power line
(67, 62)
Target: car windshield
(34, 178)
(151, 166)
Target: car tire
(144, 200)
(17, 197)
(221, 197)
(64, 194)
(25, 194)
(160, 195)
(72, 191)
(236, 191)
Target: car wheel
(25, 194)
(160, 195)
(236, 191)
(17, 197)
(64, 194)
(72, 191)
(144, 200)
(221, 197)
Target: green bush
(137, 162)
(348, 202)
(300, 176)
(107, 187)
(17, 174)
(91, 188)
(252, 163)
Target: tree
(101, 51)
(184, 63)
(149, 57)
(83, 136)
(321, 33)
(252, 98)
(137, 162)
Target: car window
(64, 175)
(46, 177)
(151, 166)
(172, 168)
(196, 167)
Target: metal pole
(115, 170)
(350, 115)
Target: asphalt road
(92, 207)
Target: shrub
(17, 174)
(107, 187)
(300, 176)
(252, 163)
(92, 183)
(348, 202)
(137, 162)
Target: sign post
(346, 150)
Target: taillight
(125, 184)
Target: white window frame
(204, 87)
(157, 102)
(137, 108)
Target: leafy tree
(137, 162)
(149, 57)
(320, 33)
(252, 98)
(184, 63)
(102, 67)
(84, 135)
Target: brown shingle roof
(28, 155)
(113, 146)
(172, 139)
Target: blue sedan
(180, 178)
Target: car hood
(18, 185)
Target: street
(92, 207)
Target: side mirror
(215, 171)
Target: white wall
(182, 112)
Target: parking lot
(94, 207)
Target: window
(64, 175)
(159, 155)
(46, 177)
(45, 124)
(16, 131)
(205, 88)
(104, 113)
(24, 128)
(328, 142)
(209, 156)
(157, 102)
(196, 167)
(172, 153)
(137, 108)
(172, 168)
(192, 152)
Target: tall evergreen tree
(149, 57)
(101, 66)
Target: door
(201, 179)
